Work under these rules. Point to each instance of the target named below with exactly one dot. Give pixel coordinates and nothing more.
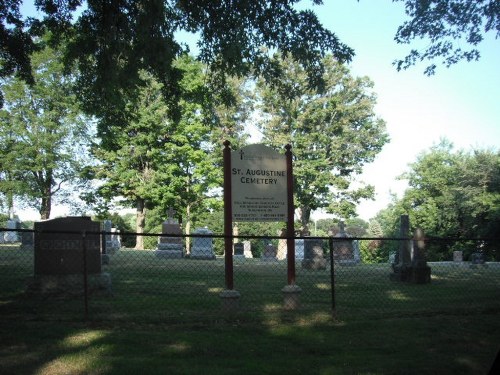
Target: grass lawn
(452, 344)
(164, 317)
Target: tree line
(103, 105)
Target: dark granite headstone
(477, 258)
(270, 253)
(420, 272)
(27, 241)
(239, 249)
(313, 254)
(59, 252)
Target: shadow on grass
(167, 318)
(439, 344)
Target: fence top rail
(214, 235)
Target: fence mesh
(153, 284)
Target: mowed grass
(164, 317)
(154, 289)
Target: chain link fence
(183, 278)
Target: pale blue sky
(460, 103)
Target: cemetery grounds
(165, 316)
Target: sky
(460, 103)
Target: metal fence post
(85, 286)
(332, 276)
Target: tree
(455, 194)
(372, 250)
(131, 152)
(43, 133)
(156, 162)
(449, 25)
(333, 134)
(16, 44)
(112, 40)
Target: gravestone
(108, 246)
(420, 272)
(27, 241)
(269, 254)
(299, 248)
(477, 259)
(282, 245)
(170, 246)
(202, 247)
(344, 250)
(239, 250)
(112, 238)
(12, 236)
(116, 242)
(313, 254)
(64, 248)
(357, 252)
(247, 249)
(458, 256)
(402, 261)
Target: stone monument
(313, 254)
(27, 241)
(66, 248)
(402, 260)
(238, 250)
(270, 253)
(116, 242)
(345, 251)
(410, 263)
(170, 242)
(13, 235)
(282, 250)
(299, 248)
(247, 249)
(203, 247)
(420, 272)
(458, 256)
(477, 259)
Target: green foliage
(452, 194)
(333, 134)
(16, 44)
(374, 251)
(450, 26)
(112, 42)
(43, 134)
(122, 224)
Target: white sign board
(259, 184)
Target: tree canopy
(43, 133)
(452, 194)
(112, 40)
(333, 134)
(454, 28)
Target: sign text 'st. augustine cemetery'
(259, 184)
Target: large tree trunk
(45, 206)
(305, 216)
(140, 223)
